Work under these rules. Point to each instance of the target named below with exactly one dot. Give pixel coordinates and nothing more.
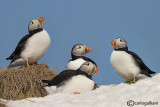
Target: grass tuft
(16, 84)
(129, 82)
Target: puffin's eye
(32, 23)
(79, 47)
(121, 40)
(88, 64)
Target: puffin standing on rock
(126, 63)
(78, 56)
(31, 47)
(75, 81)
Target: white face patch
(78, 50)
(88, 67)
(120, 43)
(34, 25)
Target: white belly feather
(78, 83)
(74, 65)
(124, 65)
(36, 47)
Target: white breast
(124, 65)
(78, 83)
(74, 65)
(36, 47)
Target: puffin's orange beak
(89, 49)
(96, 70)
(112, 43)
(43, 19)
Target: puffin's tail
(8, 58)
(12, 56)
(152, 72)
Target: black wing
(64, 76)
(140, 63)
(21, 45)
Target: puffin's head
(119, 43)
(36, 24)
(89, 68)
(80, 50)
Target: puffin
(74, 81)
(78, 53)
(127, 63)
(33, 46)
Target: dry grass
(25, 82)
(1, 70)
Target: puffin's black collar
(76, 57)
(122, 49)
(35, 31)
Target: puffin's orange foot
(134, 80)
(27, 63)
(76, 93)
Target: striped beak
(87, 50)
(42, 19)
(112, 43)
(94, 71)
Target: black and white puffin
(75, 81)
(126, 63)
(78, 53)
(32, 47)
